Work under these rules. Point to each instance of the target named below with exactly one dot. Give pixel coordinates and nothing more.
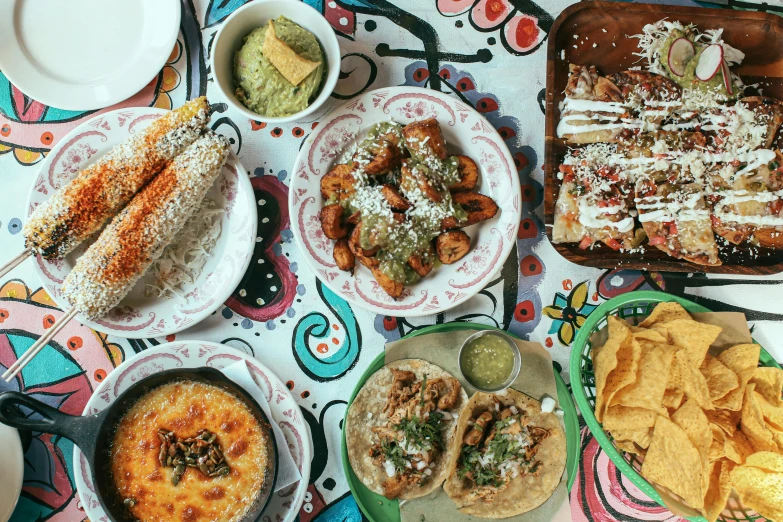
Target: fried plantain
(380, 158)
(468, 175)
(424, 138)
(391, 287)
(395, 200)
(422, 263)
(343, 256)
(413, 177)
(332, 222)
(478, 206)
(452, 246)
(338, 183)
(365, 257)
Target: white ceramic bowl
(256, 14)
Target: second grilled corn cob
(137, 236)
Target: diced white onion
(421, 465)
(389, 468)
(428, 472)
(514, 410)
(548, 405)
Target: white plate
(85, 54)
(466, 132)
(13, 471)
(284, 505)
(139, 315)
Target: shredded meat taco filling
(412, 438)
(499, 446)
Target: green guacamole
(689, 79)
(260, 87)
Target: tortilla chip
(740, 357)
(718, 491)
(717, 450)
(642, 437)
(769, 383)
(773, 415)
(727, 420)
(628, 446)
(648, 388)
(672, 399)
(650, 335)
(692, 420)
(293, 67)
(753, 425)
(777, 436)
(766, 460)
(615, 364)
(759, 490)
(693, 336)
(720, 380)
(665, 312)
(674, 462)
(619, 417)
(691, 381)
(742, 360)
(737, 447)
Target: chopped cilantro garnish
(394, 454)
(421, 433)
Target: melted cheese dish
(185, 407)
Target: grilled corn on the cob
(99, 192)
(136, 237)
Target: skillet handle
(82, 431)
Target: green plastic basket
(633, 307)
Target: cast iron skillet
(94, 434)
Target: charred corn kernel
(136, 237)
(97, 193)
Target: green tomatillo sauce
(487, 362)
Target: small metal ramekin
(514, 348)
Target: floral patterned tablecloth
(489, 53)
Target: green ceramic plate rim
(391, 507)
(575, 372)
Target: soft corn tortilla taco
(500, 426)
(398, 435)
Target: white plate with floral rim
(466, 132)
(139, 314)
(285, 504)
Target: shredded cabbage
(183, 260)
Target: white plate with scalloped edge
(138, 314)
(466, 132)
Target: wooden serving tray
(758, 35)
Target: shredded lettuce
(183, 260)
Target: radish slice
(727, 78)
(680, 53)
(710, 62)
